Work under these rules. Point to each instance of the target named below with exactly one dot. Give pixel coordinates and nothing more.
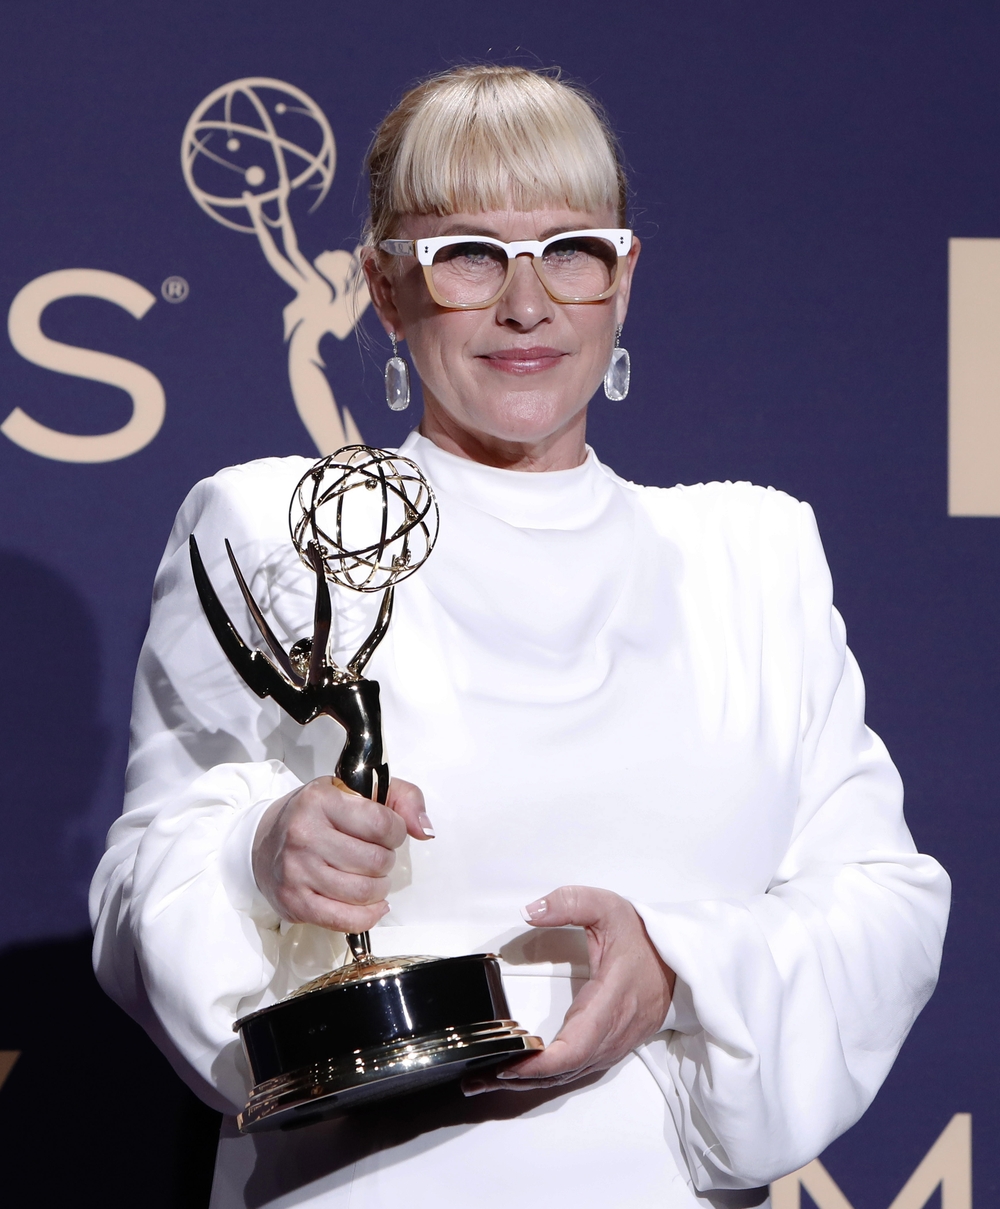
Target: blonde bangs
(485, 138)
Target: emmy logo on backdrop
(247, 147)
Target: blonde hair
(485, 137)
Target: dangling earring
(616, 380)
(397, 380)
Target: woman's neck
(560, 450)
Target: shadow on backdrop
(91, 1109)
(52, 750)
(92, 1113)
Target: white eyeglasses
(469, 273)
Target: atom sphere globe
(371, 514)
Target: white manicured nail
(426, 826)
(534, 910)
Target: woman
(630, 708)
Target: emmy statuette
(376, 1027)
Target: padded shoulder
(719, 508)
(250, 499)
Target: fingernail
(426, 826)
(506, 1074)
(473, 1087)
(534, 910)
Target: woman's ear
(382, 291)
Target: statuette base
(331, 1088)
(376, 1027)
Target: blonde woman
(629, 711)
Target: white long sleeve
(183, 939)
(593, 683)
(792, 1004)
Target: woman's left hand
(623, 1003)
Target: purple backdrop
(797, 171)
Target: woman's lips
(523, 360)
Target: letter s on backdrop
(26, 335)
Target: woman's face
(508, 384)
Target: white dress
(594, 683)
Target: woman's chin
(522, 419)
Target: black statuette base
(319, 1054)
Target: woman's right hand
(322, 854)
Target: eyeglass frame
(426, 249)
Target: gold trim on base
(361, 1072)
(361, 969)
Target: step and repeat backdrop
(817, 189)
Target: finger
(564, 1055)
(357, 816)
(337, 850)
(309, 908)
(486, 1083)
(408, 802)
(503, 1080)
(477, 1084)
(589, 1037)
(352, 888)
(487, 1080)
(312, 836)
(584, 906)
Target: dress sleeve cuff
(236, 865)
(680, 1015)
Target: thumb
(583, 906)
(408, 802)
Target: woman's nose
(526, 303)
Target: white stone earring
(397, 379)
(616, 380)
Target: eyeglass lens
(469, 272)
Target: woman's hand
(623, 1003)
(322, 854)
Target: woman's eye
(568, 251)
(473, 253)
(563, 251)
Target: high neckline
(548, 499)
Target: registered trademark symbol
(175, 289)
